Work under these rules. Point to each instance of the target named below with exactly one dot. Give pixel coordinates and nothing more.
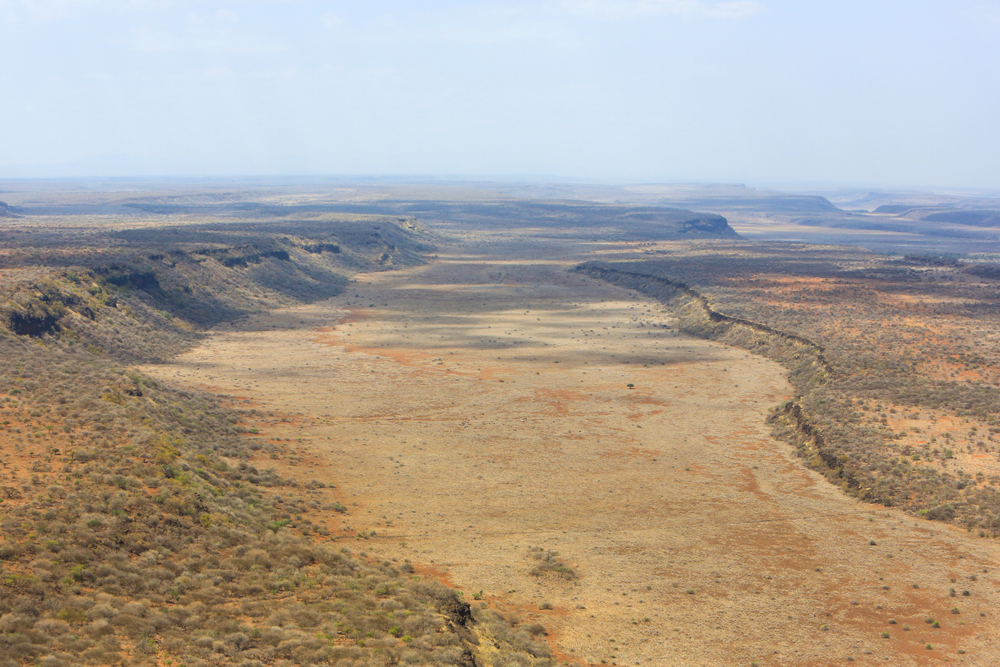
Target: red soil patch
(435, 573)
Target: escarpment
(805, 360)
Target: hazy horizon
(774, 94)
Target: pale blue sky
(880, 93)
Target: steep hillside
(140, 525)
(142, 294)
(145, 525)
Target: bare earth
(476, 407)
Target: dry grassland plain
(490, 403)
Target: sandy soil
(479, 406)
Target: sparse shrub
(548, 562)
(535, 629)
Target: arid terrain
(482, 425)
(489, 405)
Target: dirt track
(479, 406)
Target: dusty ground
(479, 406)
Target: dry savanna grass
(145, 524)
(889, 339)
(493, 412)
(490, 458)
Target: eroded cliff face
(147, 295)
(805, 360)
(793, 426)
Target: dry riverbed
(490, 403)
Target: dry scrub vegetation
(138, 524)
(144, 524)
(895, 361)
(141, 294)
(136, 528)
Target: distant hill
(894, 209)
(5, 211)
(971, 218)
(565, 218)
(968, 217)
(578, 219)
(775, 203)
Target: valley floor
(490, 403)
